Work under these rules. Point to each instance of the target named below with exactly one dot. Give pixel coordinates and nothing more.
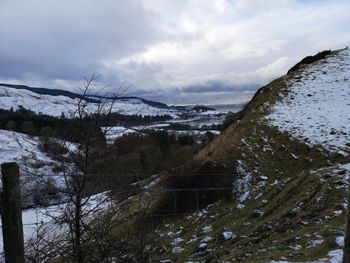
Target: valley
(268, 186)
(190, 131)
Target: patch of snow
(170, 234)
(177, 250)
(228, 235)
(340, 241)
(295, 247)
(201, 213)
(294, 156)
(314, 243)
(192, 239)
(153, 182)
(296, 210)
(335, 256)
(177, 241)
(258, 212)
(241, 185)
(207, 229)
(203, 246)
(275, 182)
(112, 133)
(240, 206)
(338, 212)
(206, 239)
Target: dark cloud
(196, 95)
(217, 86)
(69, 39)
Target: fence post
(175, 204)
(346, 249)
(11, 214)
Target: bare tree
(82, 228)
(74, 223)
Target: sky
(177, 52)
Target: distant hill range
(90, 98)
(55, 102)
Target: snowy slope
(56, 105)
(38, 219)
(317, 106)
(288, 202)
(36, 167)
(23, 149)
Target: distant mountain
(90, 98)
(55, 102)
(202, 108)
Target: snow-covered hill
(288, 155)
(317, 105)
(56, 105)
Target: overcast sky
(175, 51)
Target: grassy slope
(296, 203)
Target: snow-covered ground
(317, 106)
(36, 167)
(17, 147)
(112, 133)
(201, 120)
(24, 150)
(36, 219)
(56, 105)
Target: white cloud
(250, 7)
(274, 69)
(161, 45)
(239, 49)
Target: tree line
(31, 123)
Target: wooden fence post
(11, 214)
(197, 200)
(175, 204)
(346, 249)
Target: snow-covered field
(112, 133)
(201, 120)
(56, 105)
(115, 132)
(317, 107)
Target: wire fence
(194, 197)
(133, 175)
(175, 197)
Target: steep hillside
(289, 153)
